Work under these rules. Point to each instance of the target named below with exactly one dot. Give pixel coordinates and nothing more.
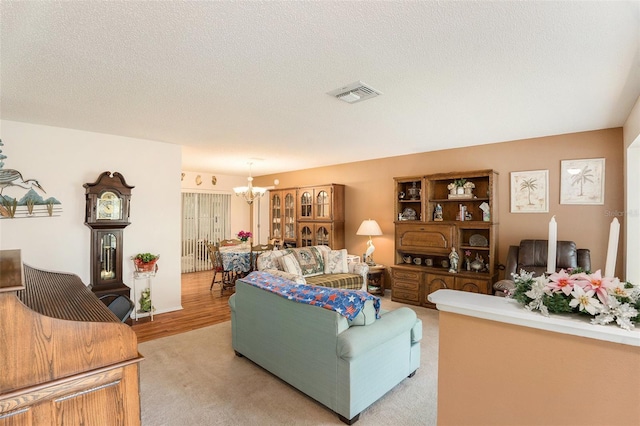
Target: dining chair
(227, 276)
(230, 242)
(256, 251)
(276, 243)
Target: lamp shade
(369, 227)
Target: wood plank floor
(201, 308)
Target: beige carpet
(195, 378)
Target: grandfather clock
(107, 215)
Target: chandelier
(249, 192)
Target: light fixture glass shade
(369, 227)
(249, 192)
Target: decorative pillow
(270, 260)
(335, 262)
(298, 279)
(310, 260)
(323, 249)
(290, 264)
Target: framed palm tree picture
(530, 191)
(582, 181)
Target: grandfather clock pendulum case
(107, 214)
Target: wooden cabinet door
(428, 239)
(434, 282)
(473, 285)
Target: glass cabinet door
(306, 204)
(322, 236)
(289, 216)
(276, 215)
(322, 205)
(306, 236)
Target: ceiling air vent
(355, 92)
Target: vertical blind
(205, 219)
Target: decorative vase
(460, 190)
(468, 191)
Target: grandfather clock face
(109, 206)
(107, 214)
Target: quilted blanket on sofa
(347, 303)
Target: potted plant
(145, 262)
(244, 236)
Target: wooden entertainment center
(432, 217)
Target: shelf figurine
(437, 214)
(453, 260)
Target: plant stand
(146, 277)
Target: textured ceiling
(235, 81)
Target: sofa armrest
(359, 340)
(360, 268)
(504, 287)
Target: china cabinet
(436, 215)
(310, 215)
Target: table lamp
(369, 227)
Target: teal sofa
(331, 359)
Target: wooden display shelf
(432, 240)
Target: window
(205, 219)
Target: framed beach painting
(530, 191)
(582, 181)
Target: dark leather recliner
(531, 255)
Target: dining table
(236, 258)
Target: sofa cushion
(348, 281)
(298, 279)
(290, 264)
(310, 260)
(335, 262)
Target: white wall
(63, 160)
(631, 136)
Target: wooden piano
(65, 359)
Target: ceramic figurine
(453, 260)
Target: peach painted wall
(503, 374)
(370, 192)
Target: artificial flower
(596, 282)
(244, 235)
(606, 299)
(584, 300)
(562, 281)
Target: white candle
(612, 250)
(553, 245)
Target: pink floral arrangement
(605, 299)
(244, 235)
